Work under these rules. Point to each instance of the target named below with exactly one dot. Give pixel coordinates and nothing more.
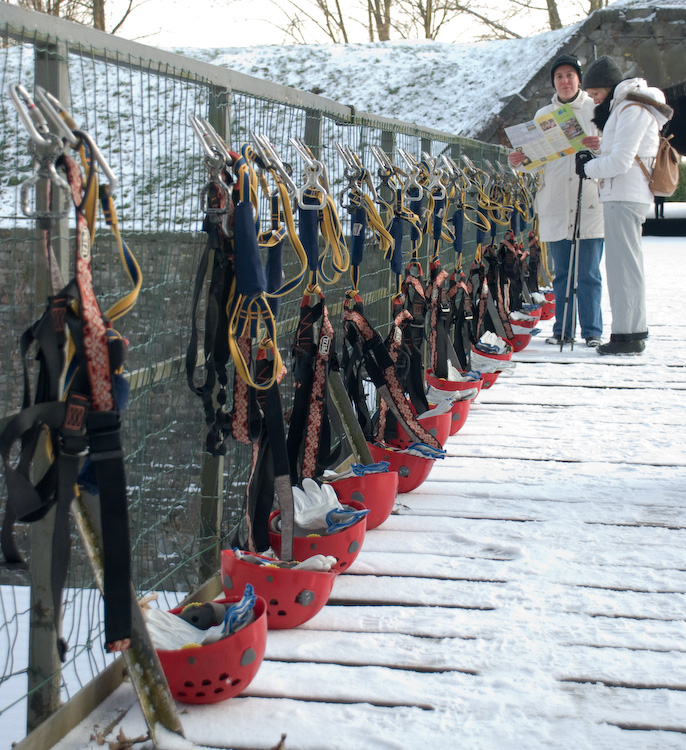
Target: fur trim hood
(637, 90)
(664, 109)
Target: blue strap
(397, 232)
(458, 226)
(358, 225)
(250, 277)
(308, 231)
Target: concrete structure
(646, 39)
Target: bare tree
(596, 5)
(553, 15)
(310, 21)
(87, 12)
(323, 15)
(379, 12)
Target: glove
(582, 158)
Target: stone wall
(647, 42)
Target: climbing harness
(239, 314)
(77, 415)
(309, 439)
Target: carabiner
(44, 158)
(412, 183)
(97, 156)
(313, 173)
(51, 107)
(45, 148)
(33, 119)
(436, 188)
(272, 162)
(198, 126)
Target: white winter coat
(629, 130)
(556, 199)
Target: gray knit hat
(564, 60)
(603, 73)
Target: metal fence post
(212, 480)
(220, 111)
(313, 131)
(44, 667)
(52, 73)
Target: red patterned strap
(395, 339)
(239, 422)
(93, 324)
(398, 403)
(436, 294)
(317, 397)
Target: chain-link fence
(135, 101)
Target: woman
(630, 116)
(556, 204)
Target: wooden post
(142, 661)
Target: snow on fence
(134, 100)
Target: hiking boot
(556, 340)
(593, 342)
(622, 347)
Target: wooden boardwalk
(531, 593)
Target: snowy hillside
(450, 87)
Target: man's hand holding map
(548, 137)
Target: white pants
(624, 267)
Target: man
(556, 206)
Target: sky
(243, 23)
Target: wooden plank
(536, 508)
(502, 625)
(393, 650)
(311, 726)
(416, 592)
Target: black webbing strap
(478, 287)
(216, 348)
(107, 456)
(440, 321)
(352, 363)
(533, 262)
(498, 293)
(462, 319)
(304, 353)
(270, 473)
(413, 328)
(381, 369)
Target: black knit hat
(603, 73)
(565, 60)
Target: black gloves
(582, 158)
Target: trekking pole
(573, 272)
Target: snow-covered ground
(530, 594)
